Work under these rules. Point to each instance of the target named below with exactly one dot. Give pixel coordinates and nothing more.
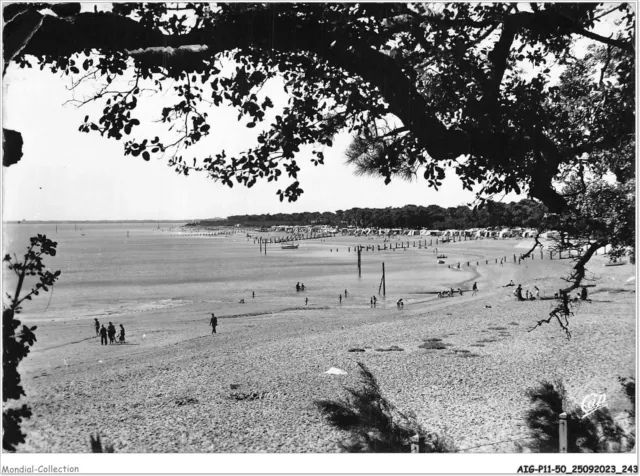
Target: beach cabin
(549, 235)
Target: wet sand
(169, 389)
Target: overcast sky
(68, 175)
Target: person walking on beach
(298, 287)
(121, 337)
(97, 324)
(340, 299)
(112, 333)
(103, 335)
(375, 301)
(346, 294)
(213, 323)
(306, 301)
(475, 289)
(254, 294)
(537, 292)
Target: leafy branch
(16, 345)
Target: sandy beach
(174, 387)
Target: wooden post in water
(384, 282)
(359, 261)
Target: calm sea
(106, 271)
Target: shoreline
(277, 347)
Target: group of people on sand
(109, 331)
(582, 296)
(528, 296)
(451, 292)
(300, 287)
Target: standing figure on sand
(213, 322)
(97, 325)
(103, 335)
(518, 293)
(112, 333)
(475, 289)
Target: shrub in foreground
(597, 432)
(374, 423)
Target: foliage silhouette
(596, 433)
(374, 423)
(16, 345)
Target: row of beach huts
(473, 233)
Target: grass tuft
(96, 445)
(374, 424)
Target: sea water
(118, 267)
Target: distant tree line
(525, 213)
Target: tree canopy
(423, 88)
(526, 213)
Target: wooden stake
(563, 432)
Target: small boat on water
(615, 263)
(290, 246)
